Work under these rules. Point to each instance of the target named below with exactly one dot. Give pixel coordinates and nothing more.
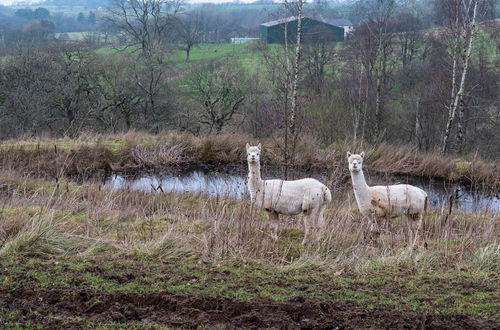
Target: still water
(231, 182)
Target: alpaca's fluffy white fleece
(305, 196)
(384, 201)
(291, 197)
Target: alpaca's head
(253, 153)
(355, 161)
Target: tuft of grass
(160, 154)
(488, 257)
(41, 234)
(92, 219)
(90, 236)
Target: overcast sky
(10, 2)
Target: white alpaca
(306, 196)
(380, 202)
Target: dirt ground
(72, 307)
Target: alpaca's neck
(254, 179)
(361, 191)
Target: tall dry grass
(41, 217)
(99, 154)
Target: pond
(230, 181)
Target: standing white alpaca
(380, 202)
(306, 196)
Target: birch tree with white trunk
(461, 28)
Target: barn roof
(336, 22)
(280, 21)
(339, 22)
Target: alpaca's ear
(259, 147)
(348, 154)
(362, 154)
(248, 146)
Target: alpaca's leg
(307, 225)
(320, 222)
(274, 218)
(420, 223)
(373, 223)
(321, 217)
(374, 227)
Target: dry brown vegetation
(64, 218)
(89, 244)
(101, 154)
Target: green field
(246, 55)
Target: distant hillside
(89, 4)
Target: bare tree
(117, 106)
(217, 89)
(377, 42)
(143, 22)
(189, 31)
(286, 70)
(146, 26)
(355, 90)
(408, 31)
(49, 89)
(38, 31)
(460, 29)
(317, 56)
(298, 7)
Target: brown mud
(73, 307)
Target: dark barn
(312, 31)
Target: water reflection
(193, 182)
(232, 183)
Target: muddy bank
(77, 158)
(75, 307)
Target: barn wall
(312, 31)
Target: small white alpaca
(380, 202)
(305, 196)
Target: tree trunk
(451, 109)
(357, 107)
(293, 110)
(295, 81)
(460, 127)
(458, 99)
(378, 105)
(461, 104)
(418, 127)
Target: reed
(97, 155)
(38, 216)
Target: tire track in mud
(71, 307)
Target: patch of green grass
(462, 166)
(249, 57)
(205, 52)
(19, 325)
(439, 291)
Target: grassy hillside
(86, 256)
(246, 54)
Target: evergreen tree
(81, 18)
(91, 18)
(41, 13)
